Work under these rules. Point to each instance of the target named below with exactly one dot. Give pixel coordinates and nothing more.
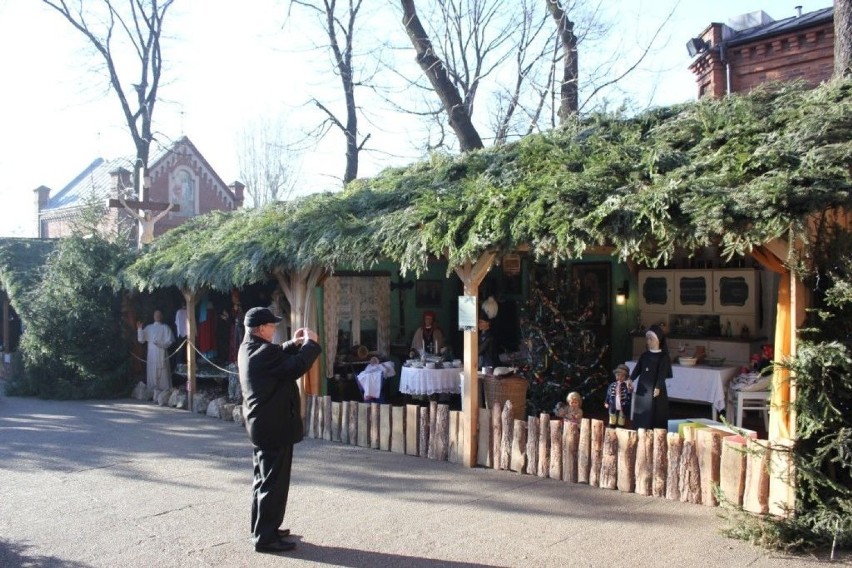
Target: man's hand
(656, 393)
(304, 334)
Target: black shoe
(275, 546)
(283, 532)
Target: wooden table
(699, 383)
(430, 381)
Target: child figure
(618, 396)
(573, 411)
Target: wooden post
(442, 433)
(327, 417)
(190, 297)
(584, 451)
(644, 461)
(484, 449)
(732, 471)
(412, 427)
(496, 433)
(519, 446)
(399, 436)
(690, 476)
(364, 424)
(675, 445)
(756, 492)
(433, 418)
(628, 441)
(660, 462)
(595, 455)
(543, 443)
(555, 471)
(344, 421)
(453, 453)
(319, 416)
(335, 421)
(609, 460)
(571, 441)
(374, 425)
(353, 422)
(782, 490)
(507, 424)
(309, 417)
(423, 444)
(709, 448)
(385, 427)
(532, 445)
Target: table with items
(418, 378)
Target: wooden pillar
(471, 275)
(191, 298)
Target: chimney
(42, 197)
(121, 181)
(798, 11)
(237, 189)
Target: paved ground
(122, 483)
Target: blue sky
(231, 67)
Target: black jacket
(268, 374)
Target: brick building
(178, 174)
(754, 48)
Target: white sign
(467, 313)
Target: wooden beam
(144, 205)
(190, 297)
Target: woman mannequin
(650, 398)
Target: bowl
(687, 361)
(431, 365)
(714, 361)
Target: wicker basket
(507, 387)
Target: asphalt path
(125, 483)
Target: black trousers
(269, 492)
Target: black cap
(256, 317)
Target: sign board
(467, 313)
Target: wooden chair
(752, 400)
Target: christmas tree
(561, 351)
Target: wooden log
(609, 460)
(628, 442)
(571, 441)
(327, 415)
(519, 446)
(507, 424)
(353, 422)
(385, 427)
(310, 404)
(335, 421)
(660, 466)
(644, 461)
(496, 433)
(442, 432)
(412, 429)
(374, 425)
(483, 446)
(398, 427)
(782, 490)
(344, 421)
(756, 491)
(555, 471)
(709, 449)
(433, 423)
(319, 418)
(690, 474)
(595, 453)
(364, 424)
(675, 449)
(462, 446)
(584, 451)
(453, 448)
(532, 445)
(425, 421)
(732, 471)
(543, 444)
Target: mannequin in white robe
(159, 337)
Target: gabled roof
(778, 27)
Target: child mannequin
(573, 411)
(618, 396)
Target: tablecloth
(699, 383)
(429, 381)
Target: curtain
(331, 320)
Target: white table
(429, 381)
(698, 384)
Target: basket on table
(503, 388)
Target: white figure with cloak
(159, 337)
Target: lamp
(622, 294)
(696, 45)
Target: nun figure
(650, 399)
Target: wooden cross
(146, 218)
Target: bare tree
(842, 38)
(140, 24)
(266, 160)
(340, 29)
(569, 97)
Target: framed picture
(592, 284)
(427, 293)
